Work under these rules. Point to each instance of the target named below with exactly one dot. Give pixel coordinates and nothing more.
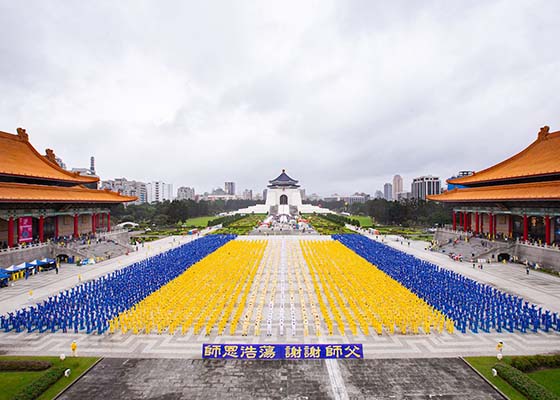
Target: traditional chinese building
(283, 197)
(40, 200)
(518, 198)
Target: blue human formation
(471, 305)
(90, 306)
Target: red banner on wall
(25, 229)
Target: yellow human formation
(209, 295)
(354, 293)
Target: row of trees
(341, 219)
(171, 212)
(406, 213)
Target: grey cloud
(341, 94)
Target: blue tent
(36, 263)
(19, 267)
(4, 278)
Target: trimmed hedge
(522, 383)
(24, 365)
(41, 384)
(533, 363)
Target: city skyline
(212, 187)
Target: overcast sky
(343, 94)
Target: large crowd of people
(471, 305)
(91, 305)
(409, 296)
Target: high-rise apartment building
(388, 191)
(229, 187)
(159, 191)
(425, 186)
(397, 186)
(185, 193)
(247, 194)
(127, 188)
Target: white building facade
(127, 188)
(158, 192)
(283, 197)
(425, 186)
(185, 193)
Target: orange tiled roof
(537, 191)
(541, 158)
(24, 193)
(19, 158)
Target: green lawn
(13, 382)
(365, 221)
(549, 378)
(484, 366)
(398, 230)
(199, 222)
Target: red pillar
(41, 229)
(93, 223)
(525, 228)
(491, 225)
(510, 226)
(108, 222)
(469, 222)
(465, 221)
(76, 232)
(11, 232)
(56, 226)
(454, 221)
(547, 229)
(476, 223)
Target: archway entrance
(283, 199)
(503, 256)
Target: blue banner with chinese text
(282, 351)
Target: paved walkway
(190, 346)
(448, 378)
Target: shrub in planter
(24, 365)
(39, 385)
(525, 385)
(532, 363)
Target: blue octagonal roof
(283, 180)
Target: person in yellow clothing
(74, 348)
(500, 347)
